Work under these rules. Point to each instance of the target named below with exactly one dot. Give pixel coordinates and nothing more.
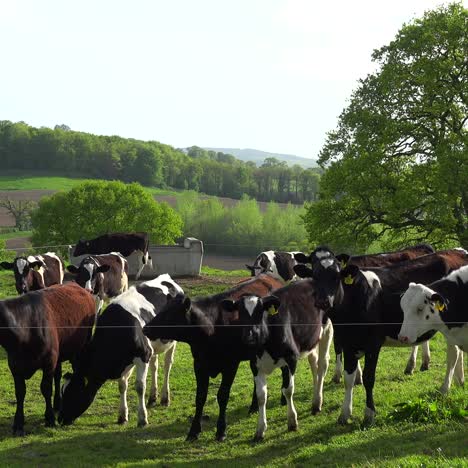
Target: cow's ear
(103, 269)
(72, 269)
(271, 304)
(343, 259)
(303, 271)
(7, 265)
(37, 264)
(250, 268)
(198, 318)
(229, 305)
(348, 275)
(301, 258)
(440, 302)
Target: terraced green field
(96, 440)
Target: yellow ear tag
(272, 310)
(343, 264)
(349, 279)
(85, 381)
(439, 306)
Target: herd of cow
(293, 306)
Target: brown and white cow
(105, 276)
(40, 330)
(278, 264)
(36, 271)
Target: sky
(273, 75)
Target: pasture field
(96, 440)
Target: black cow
(36, 271)
(278, 264)
(217, 346)
(39, 330)
(370, 317)
(117, 346)
(105, 276)
(123, 242)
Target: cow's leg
(350, 370)
(459, 369)
(339, 359)
(57, 378)
(323, 362)
(123, 386)
(153, 365)
(20, 393)
(141, 265)
(168, 361)
(285, 379)
(358, 378)
(370, 366)
(426, 356)
(254, 405)
(140, 387)
(223, 398)
(202, 378)
(288, 392)
(46, 390)
(452, 358)
(411, 364)
(262, 394)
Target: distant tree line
(63, 151)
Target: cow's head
(77, 394)
(23, 268)
(81, 248)
(89, 274)
(327, 281)
(264, 263)
(422, 312)
(343, 258)
(179, 320)
(248, 315)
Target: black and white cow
(278, 264)
(105, 276)
(368, 318)
(117, 347)
(123, 242)
(440, 306)
(36, 271)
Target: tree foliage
(397, 165)
(95, 208)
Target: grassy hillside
(95, 438)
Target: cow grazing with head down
(118, 345)
(36, 271)
(105, 276)
(370, 317)
(40, 330)
(123, 242)
(278, 264)
(439, 306)
(217, 337)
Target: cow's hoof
(165, 402)
(221, 437)
(253, 409)
(191, 437)
(292, 427)
(151, 402)
(258, 438)
(336, 379)
(424, 366)
(369, 417)
(344, 420)
(142, 423)
(409, 371)
(50, 424)
(122, 420)
(18, 432)
(315, 410)
(283, 400)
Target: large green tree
(94, 208)
(397, 165)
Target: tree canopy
(94, 208)
(397, 164)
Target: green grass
(208, 271)
(95, 438)
(14, 234)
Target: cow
(118, 345)
(123, 242)
(385, 258)
(278, 264)
(439, 306)
(105, 276)
(370, 317)
(40, 330)
(36, 271)
(217, 345)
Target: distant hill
(257, 156)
